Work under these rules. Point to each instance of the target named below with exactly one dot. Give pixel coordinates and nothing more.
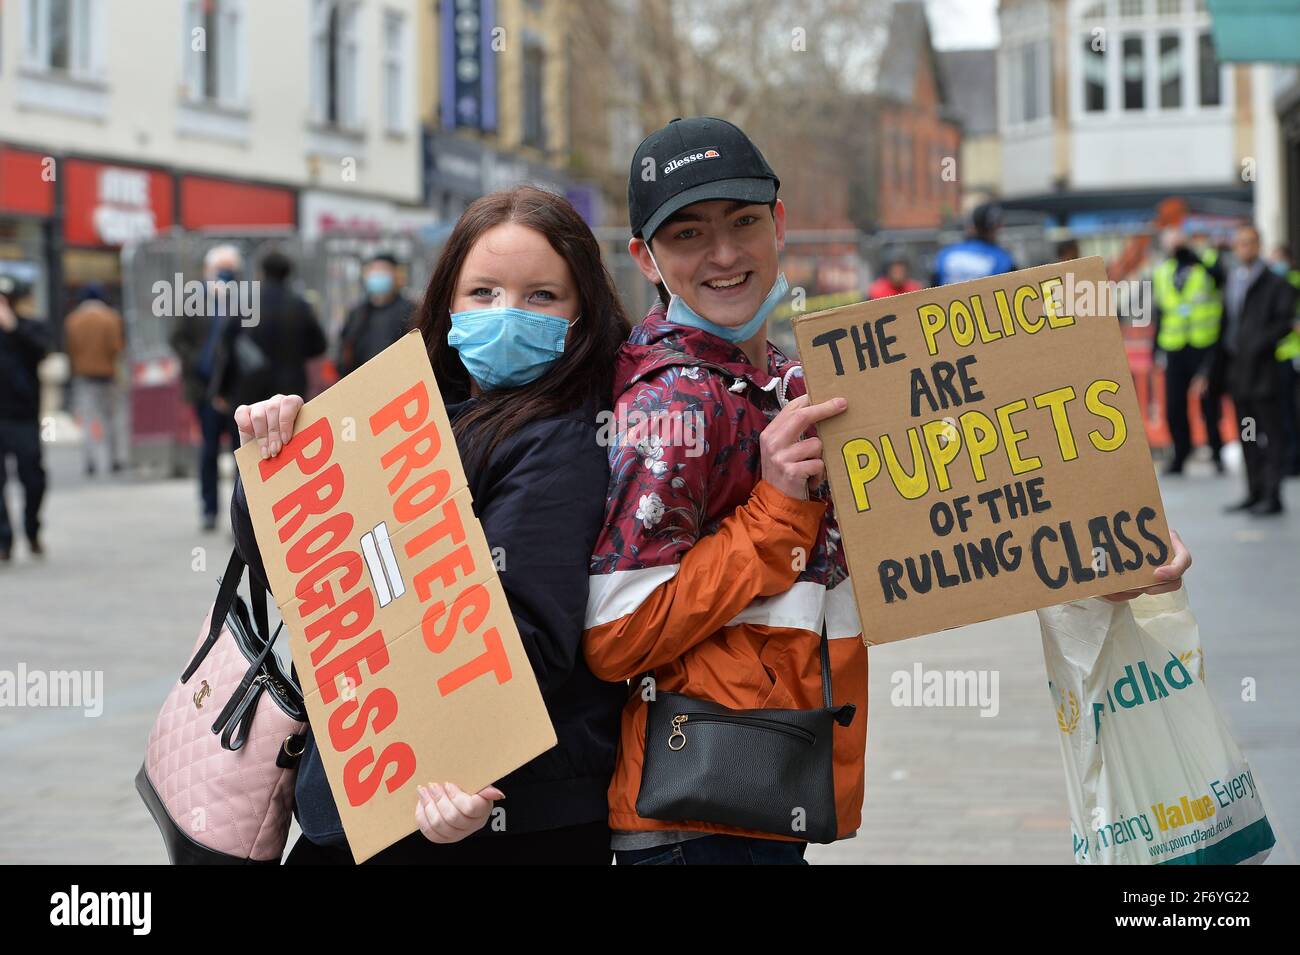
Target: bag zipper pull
(678, 720)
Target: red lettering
(450, 526)
(313, 597)
(395, 411)
(296, 450)
(406, 508)
(410, 454)
(301, 555)
(348, 664)
(360, 789)
(382, 703)
(444, 569)
(308, 500)
(493, 659)
(342, 623)
(476, 599)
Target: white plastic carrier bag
(1153, 776)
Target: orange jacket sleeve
(752, 554)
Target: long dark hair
(585, 372)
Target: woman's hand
(446, 814)
(270, 422)
(1170, 575)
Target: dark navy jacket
(541, 498)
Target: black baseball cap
(694, 160)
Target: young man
(978, 255)
(720, 558)
(379, 319)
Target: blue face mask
(379, 284)
(679, 313)
(507, 347)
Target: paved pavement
(124, 587)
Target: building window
(213, 51)
(1029, 77)
(1171, 71)
(533, 100)
(1094, 76)
(60, 38)
(394, 71)
(1132, 8)
(1027, 82)
(336, 98)
(1169, 8)
(1208, 68)
(1133, 73)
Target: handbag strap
(236, 717)
(826, 668)
(226, 595)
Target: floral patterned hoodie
(705, 573)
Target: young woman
(522, 324)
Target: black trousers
(212, 425)
(22, 441)
(1180, 368)
(1290, 404)
(586, 844)
(1263, 454)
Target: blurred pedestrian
(1260, 307)
(1067, 250)
(23, 343)
(269, 356)
(379, 319)
(1288, 355)
(94, 339)
(1188, 315)
(198, 341)
(978, 255)
(896, 280)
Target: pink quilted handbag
(219, 772)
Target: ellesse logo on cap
(685, 159)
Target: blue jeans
(212, 424)
(717, 850)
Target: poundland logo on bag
(75, 907)
(1129, 692)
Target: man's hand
(8, 319)
(1170, 575)
(789, 459)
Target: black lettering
(830, 339)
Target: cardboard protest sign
(409, 659)
(992, 458)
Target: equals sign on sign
(378, 551)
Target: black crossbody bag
(766, 770)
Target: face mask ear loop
(657, 269)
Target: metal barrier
(327, 273)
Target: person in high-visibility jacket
(1288, 354)
(1189, 312)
